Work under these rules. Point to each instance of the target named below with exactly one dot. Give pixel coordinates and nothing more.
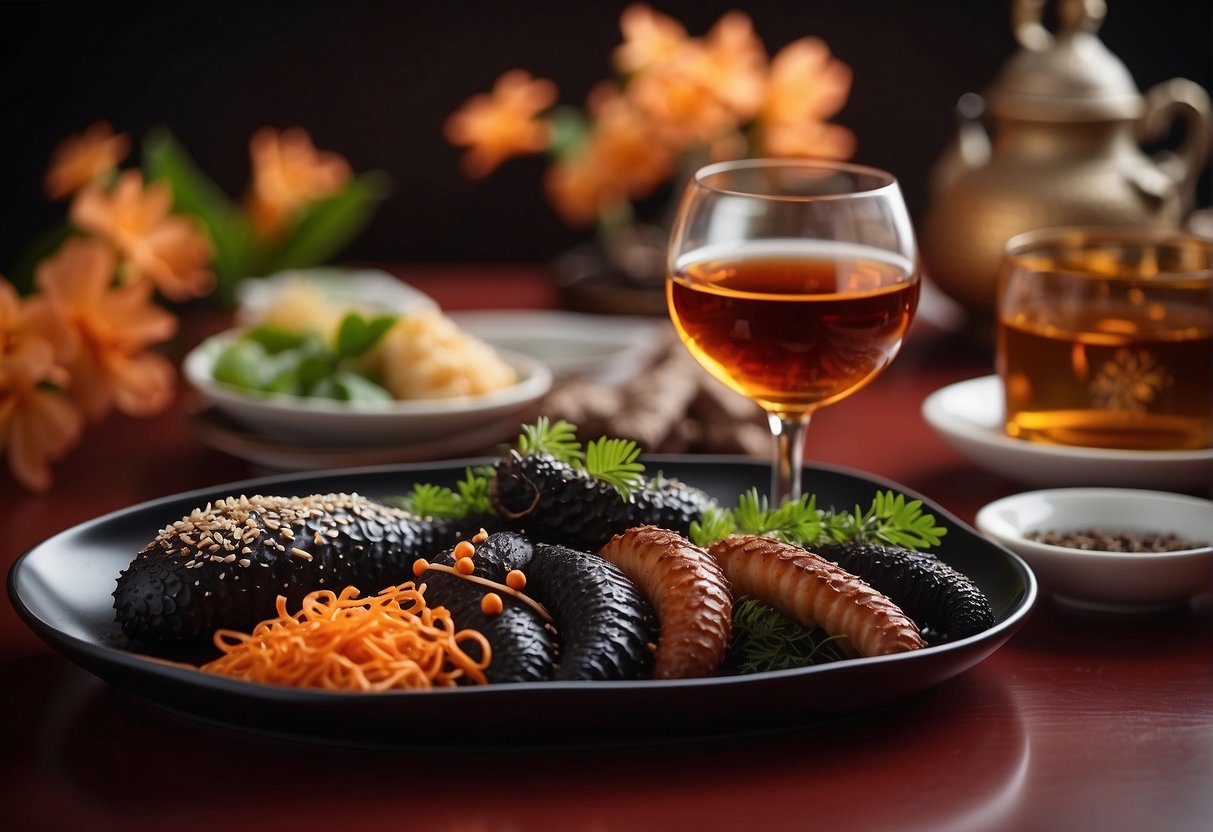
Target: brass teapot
(1065, 150)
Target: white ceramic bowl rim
(991, 519)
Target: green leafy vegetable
(270, 359)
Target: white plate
(969, 416)
(326, 423)
(605, 348)
(1108, 581)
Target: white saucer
(969, 416)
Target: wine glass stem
(789, 432)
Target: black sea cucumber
(223, 566)
(554, 502)
(945, 603)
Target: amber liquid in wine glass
(794, 326)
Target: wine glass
(793, 282)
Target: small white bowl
(327, 423)
(1108, 581)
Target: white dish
(1108, 581)
(326, 423)
(969, 416)
(605, 348)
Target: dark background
(374, 81)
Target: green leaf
(357, 389)
(327, 226)
(194, 193)
(474, 490)
(569, 131)
(357, 334)
(277, 339)
(241, 364)
(614, 461)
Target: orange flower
(288, 173)
(682, 111)
(578, 189)
(733, 64)
(806, 86)
(88, 157)
(648, 38)
(112, 328)
(502, 124)
(625, 147)
(37, 423)
(622, 158)
(167, 249)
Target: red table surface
(1077, 723)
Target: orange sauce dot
(516, 579)
(491, 604)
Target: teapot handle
(1178, 98)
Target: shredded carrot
(342, 642)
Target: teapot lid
(1067, 75)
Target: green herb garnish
(614, 461)
(559, 440)
(764, 639)
(891, 519)
(469, 497)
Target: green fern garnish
(469, 497)
(614, 462)
(715, 524)
(764, 639)
(429, 500)
(893, 520)
(559, 440)
(474, 490)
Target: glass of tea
(793, 282)
(1103, 338)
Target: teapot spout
(969, 150)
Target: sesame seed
(299, 553)
(245, 562)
